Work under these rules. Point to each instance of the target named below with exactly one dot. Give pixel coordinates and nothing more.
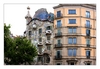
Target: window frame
(71, 21)
(59, 24)
(72, 40)
(70, 11)
(88, 14)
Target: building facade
(39, 30)
(75, 34)
(67, 37)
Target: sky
(14, 14)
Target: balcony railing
(57, 17)
(59, 45)
(59, 57)
(48, 32)
(88, 45)
(40, 44)
(88, 57)
(86, 26)
(48, 42)
(58, 26)
(59, 34)
(87, 34)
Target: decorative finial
(28, 8)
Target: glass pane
(74, 52)
(59, 42)
(59, 23)
(69, 52)
(74, 30)
(70, 30)
(72, 21)
(69, 40)
(72, 11)
(74, 40)
(88, 14)
(87, 53)
(87, 23)
(58, 13)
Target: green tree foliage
(18, 50)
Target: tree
(18, 50)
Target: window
(48, 37)
(88, 23)
(48, 47)
(71, 30)
(88, 53)
(40, 39)
(88, 41)
(30, 32)
(58, 23)
(72, 40)
(59, 41)
(48, 28)
(71, 52)
(72, 11)
(72, 21)
(40, 31)
(87, 32)
(87, 14)
(58, 54)
(58, 13)
(40, 50)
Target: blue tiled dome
(41, 14)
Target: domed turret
(28, 16)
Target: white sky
(14, 14)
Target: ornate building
(39, 30)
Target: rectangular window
(59, 41)
(74, 52)
(87, 14)
(30, 32)
(71, 52)
(88, 23)
(88, 41)
(58, 23)
(40, 50)
(72, 40)
(71, 30)
(58, 13)
(40, 31)
(72, 11)
(48, 47)
(72, 21)
(87, 32)
(58, 54)
(40, 39)
(88, 53)
(48, 37)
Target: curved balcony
(34, 26)
(48, 32)
(48, 42)
(40, 44)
